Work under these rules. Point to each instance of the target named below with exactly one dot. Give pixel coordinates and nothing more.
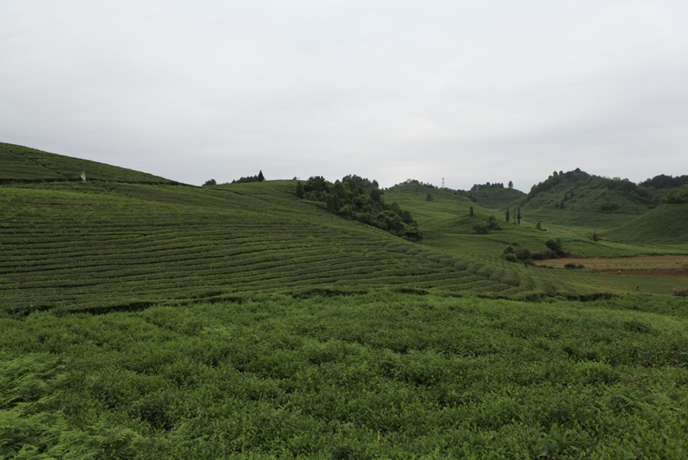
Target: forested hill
(489, 195)
(578, 189)
(495, 195)
(24, 164)
(665, 224)
(578, 198)
(663, 182)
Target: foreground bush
(381, 375)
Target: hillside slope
(24, 164)
(577, 198)
(105, 245)
(93, 245)
(667, 224)
(495, 197)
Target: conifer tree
(261, 178)
(471, 212)
(507, 215)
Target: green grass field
(142, 318)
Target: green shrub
(511, 258)
(574, 266)
(485, 225)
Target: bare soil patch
(671, 266)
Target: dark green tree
(261, 178)
(511, 184)
(316, 184)
(375, 195)
(471, 211)
(594, 235)
(349, 200)
(299, 189)
(428, 197)
(508, 217)
(210, 182)
(518, 215)
(556, 246)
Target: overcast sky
(469, 91)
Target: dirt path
(672, 266)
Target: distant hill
(663, 181)
(24, 164)
(579, 198)
(677, 196)
(494, 197)
(666, 224)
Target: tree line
(360, 199)
(257, 178)
(488, 185)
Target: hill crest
(25, 164)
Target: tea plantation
(140, 318)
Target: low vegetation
(666, 224)
(142, 318)
(27, 165)
(382, 375)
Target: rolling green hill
(448, 226)
(109, 245)
(495, 197)
(578, 199)
(24, 164)
(487, 196)
(666, 224)
(157, 320)
(104, 245)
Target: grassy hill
(496, 197)
(24, 164)
(578, 199)
(109, 245)
(448, 226)
(157, 320)
(492, 197)
(666, 224)
(105, 245)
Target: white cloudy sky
(470, 91)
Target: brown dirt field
(671, 266)
(669, 273)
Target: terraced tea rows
(79, 246)
(445, 222)
(24, 164)
(117, 245)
